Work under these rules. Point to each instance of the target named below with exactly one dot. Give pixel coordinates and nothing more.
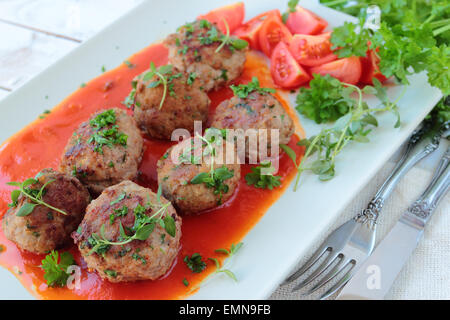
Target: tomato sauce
(40, 145)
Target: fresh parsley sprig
(327, 99)
(412, 37)
(195, 262)
(263, 181)
(34, 195)
(55, 266)
(243, 90)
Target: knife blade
(374, 278)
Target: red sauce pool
(40, 145)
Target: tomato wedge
(370, 68)
(286, 72)
(272, 32)
(233, 14)
(249, 31)
(312, 51)
(303, 21)
(347, 70)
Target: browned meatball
(137, 247)
(184, 177)
(195, 48)
(104, 151)
(44, 229)
(259, 110)
(183, 104)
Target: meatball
(121, 235)
(259, 110)
(195, 49)
(187, 181)
(183, 104)
(104, 151)
(45, 229)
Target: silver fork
(351, 244)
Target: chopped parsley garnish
(111, 273)
(129, 64)
(191, 78)
(55, 266)
(34, 195)
(130, 100)
(263, 180)
(243, 90)
(136, 256)
(118, 213)
(165, 77)
(106, 131)
(195, 263)
(185, 282)
(212, 35)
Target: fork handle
(418, 148)
(422, 209)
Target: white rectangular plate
(275, 245)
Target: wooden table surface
(36, 33)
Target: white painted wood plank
(79, 19)
(23, 53)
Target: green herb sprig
(243, 90)
(353, 126)
(233, 43)
(164, 73)
(263, 181)
(142, 228)
(215, 178)
(229, 253)
(55, 266)
(34, 195)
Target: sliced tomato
(303, 21)
(286, 72)
(233, 14)
(312, 51)
(249, 31)
(347, 70)
(273, 31)
(370, 68)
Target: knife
(374, 278)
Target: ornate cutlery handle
(422, 209)
(418, 148)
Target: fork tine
(316, 256)
(330, 275)
(340, 283)
(324, 265)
